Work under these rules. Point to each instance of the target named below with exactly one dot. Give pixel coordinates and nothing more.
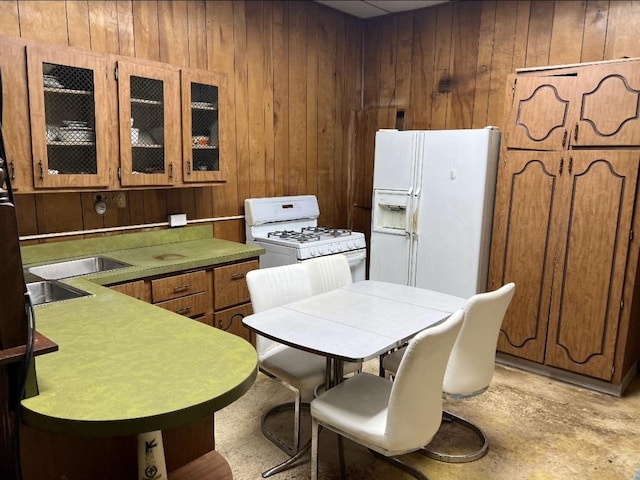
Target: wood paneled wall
(294, 78)
(446, 66)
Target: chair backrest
(274, 286)
(328, 272)
(415, 406)
(472, 360)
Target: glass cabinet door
(69, 118)
(203, 95)
(149, 119)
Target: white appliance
(433, 194)
(287, 228)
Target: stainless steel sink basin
(76, 268)
(50, 292)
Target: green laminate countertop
(125, 366)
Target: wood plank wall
(295, 82)
(294, 78)
(446, 66)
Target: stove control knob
(313, 252)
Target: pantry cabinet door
(539, 115)
(607, 112)
(524, 222)
(590, 263)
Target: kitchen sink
(76, 268)
(50, 292)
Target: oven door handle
(356, 257)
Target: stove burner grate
(300, 237)
(334, 232)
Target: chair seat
(358, 406)
(391, 362)
(302, 370)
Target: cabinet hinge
(621, 304)
(119, 173)
(631, 235)
(115, 73)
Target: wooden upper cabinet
(204, 109)
(607, 108)
(149, 123)
(70, 135)
(573, 107)
(539, 118)
(17, 142)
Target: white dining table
(357, 322)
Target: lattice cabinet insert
(69, 118)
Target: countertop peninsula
(125, 366)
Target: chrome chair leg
(411, 470)
(459, 458)
(296, 406)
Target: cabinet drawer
(178, 286)
(230, 284)
(137, 289)
(189, 306)
(230, 320)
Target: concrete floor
(538, 429)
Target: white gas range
(287, 228)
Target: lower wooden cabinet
(230, 320)
(138, 289)
(231, 297)
(216, 296)
(564, 233)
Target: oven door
(357, 263)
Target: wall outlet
(178, 220)
(120, 199)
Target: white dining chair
(391, 418)
(328, 272)
(472, 362)
(300, 371)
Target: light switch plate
(178, 220)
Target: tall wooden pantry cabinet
(566, 223)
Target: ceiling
(376, 8)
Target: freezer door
(395, 160)
(455, 212)
(396, 173)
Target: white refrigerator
(433, 194)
